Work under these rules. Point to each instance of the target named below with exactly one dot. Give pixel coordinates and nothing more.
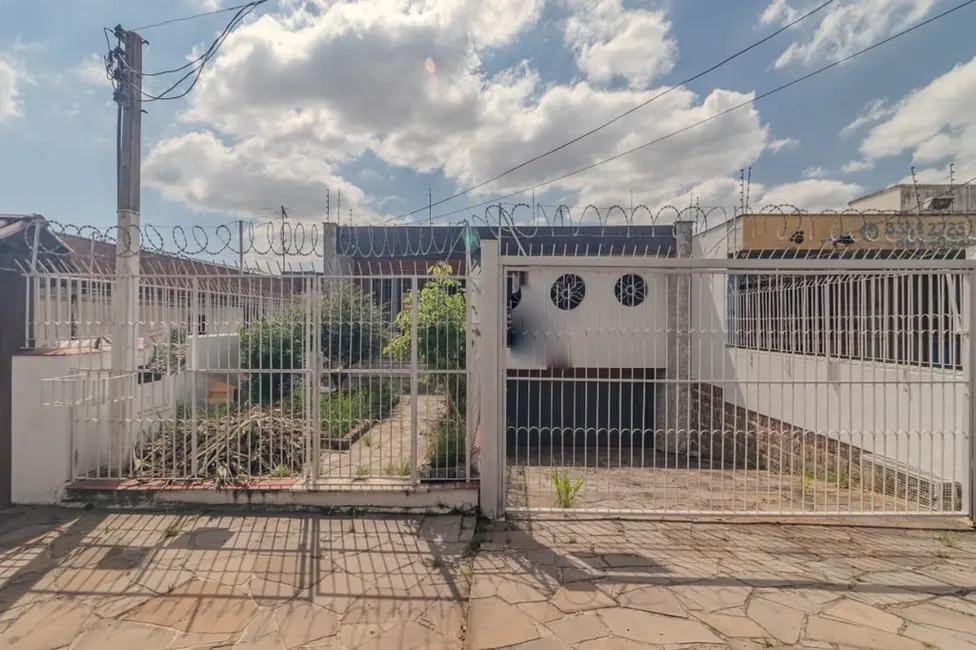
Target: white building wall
(59, 317)
(907, 414)
(888, 200)
(599, 333)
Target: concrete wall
(61, 426)
(906, 198)
(906, 414)
(886, 200)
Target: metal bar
(315, 306)
(194, 372)
(414, 380)
(971, 392)
(771, 266)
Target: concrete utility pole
(125, 294)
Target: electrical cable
(196, 66)
(619, 117)
(748, 102)
(194, 16)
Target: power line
(711, 118)
(196, 66)
(193, 17)
(624, 114)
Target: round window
(630, 290)
(567, 291)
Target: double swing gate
(337, 381)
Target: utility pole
(125, 294)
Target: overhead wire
(711, 118)
(621, 116)
(196, 66)
(202, 14)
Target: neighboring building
(71, 278)
(871, 360)
(958, 199)
(566, 368)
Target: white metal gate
(718, 386)
(330, 382)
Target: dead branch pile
(258, 442)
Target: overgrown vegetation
(344, 410)
(441, 322)
(351, 330)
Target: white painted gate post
(492, 456)
(969, 364)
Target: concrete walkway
(624, 585)
(98, 581)
(76, 580)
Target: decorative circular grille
(567, 292)
(630, 290)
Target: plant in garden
(566, 489)
(441, 345)
(352, 329)
(344, 410)
(441, 331)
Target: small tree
(352, 329)
(441, 335)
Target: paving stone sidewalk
(557, 583)
(101, 581)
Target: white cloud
(810, 195)
(842, 28)
(610, 41)
(814, 172)
(288, 116)
(782, 144)
(873, 112)
(91, 71)
(10, 96)
(936, 124)
(855, 166)
(205, 5)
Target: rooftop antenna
(742, 190)
(918, 198)
(328, 208)
(952, 189)
(748, 187)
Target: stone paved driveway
(557, 583)
(99, 581)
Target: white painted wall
(889, 199)
(54, 425)
(907, 414)
(601, 332)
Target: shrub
(446, 450)
(441, 333)
(344, 410)
(352, 329)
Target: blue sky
(309, 96)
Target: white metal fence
(794, 387)
(243, 377)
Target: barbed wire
(786, 225)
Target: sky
(390, 102)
